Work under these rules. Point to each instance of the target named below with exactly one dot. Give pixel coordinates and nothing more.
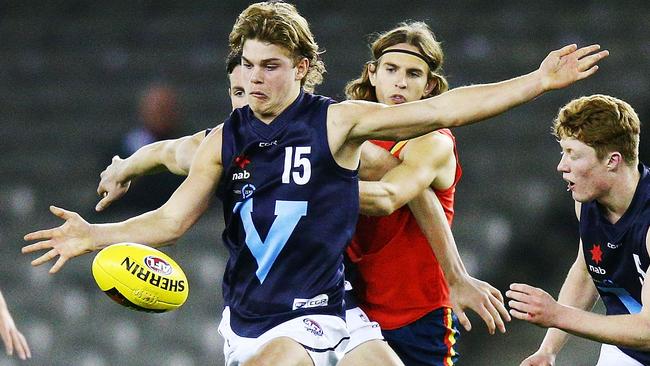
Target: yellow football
(140, 277)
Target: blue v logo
(287, 213)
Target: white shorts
(612, 356)
(323, 336)
(361, 328)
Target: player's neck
(620, 196)
(270, 115)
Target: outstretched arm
(11, 336)
(578, 292)
(159, 227)
(462, 105)
(174, 156)
(538, 307)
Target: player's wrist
(456, 276)
(539, 82)
(97, 236)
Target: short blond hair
(603, 122)
(280, 24)
(417, 34)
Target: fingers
(8, 341)
(21, 347)
(463, 319)
(519, 314)
(521, 287)
(487, 317)
(498, 303)
(45, 257)
(37, 246)
(104, 202)
(495, 292)
(41, 234)
(589, 63)
(590, 60)
(580, 53)
(566, 49)
(57, 266)
(61, 213)
(497, 317)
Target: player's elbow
(378, 209)
(171, 226)
(643, 341)
(381, 206)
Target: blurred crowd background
(81, 81)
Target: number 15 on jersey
(297, 166)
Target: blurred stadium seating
(70, 71)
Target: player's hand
(539, 359)
(569, 64)
(14, 341)
(69, 240)
(112, 184)
(483, 299)
(532, 304)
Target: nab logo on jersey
(241, 175)
(597, 269)
(241, 162)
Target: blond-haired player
(285, 168)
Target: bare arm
(465, 291)
(155, 228)
(12, 338)
(174, 156)
(423, 160)
(352, 122)
(430, 161)
(375, 162)
(630, 330)
(578, 292)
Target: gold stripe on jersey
(398, 146)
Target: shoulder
(215, 135)
(213, 139)
(434, 146)
(351, 108)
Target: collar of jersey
(268, 131)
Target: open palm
(67, 241)
(569, 64)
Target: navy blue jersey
(290, 210)
(616, 254)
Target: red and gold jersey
(398, 278)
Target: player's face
(237, 94)
(271, 80)
(585, 174)
(399, 77)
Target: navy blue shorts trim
(429, 341)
